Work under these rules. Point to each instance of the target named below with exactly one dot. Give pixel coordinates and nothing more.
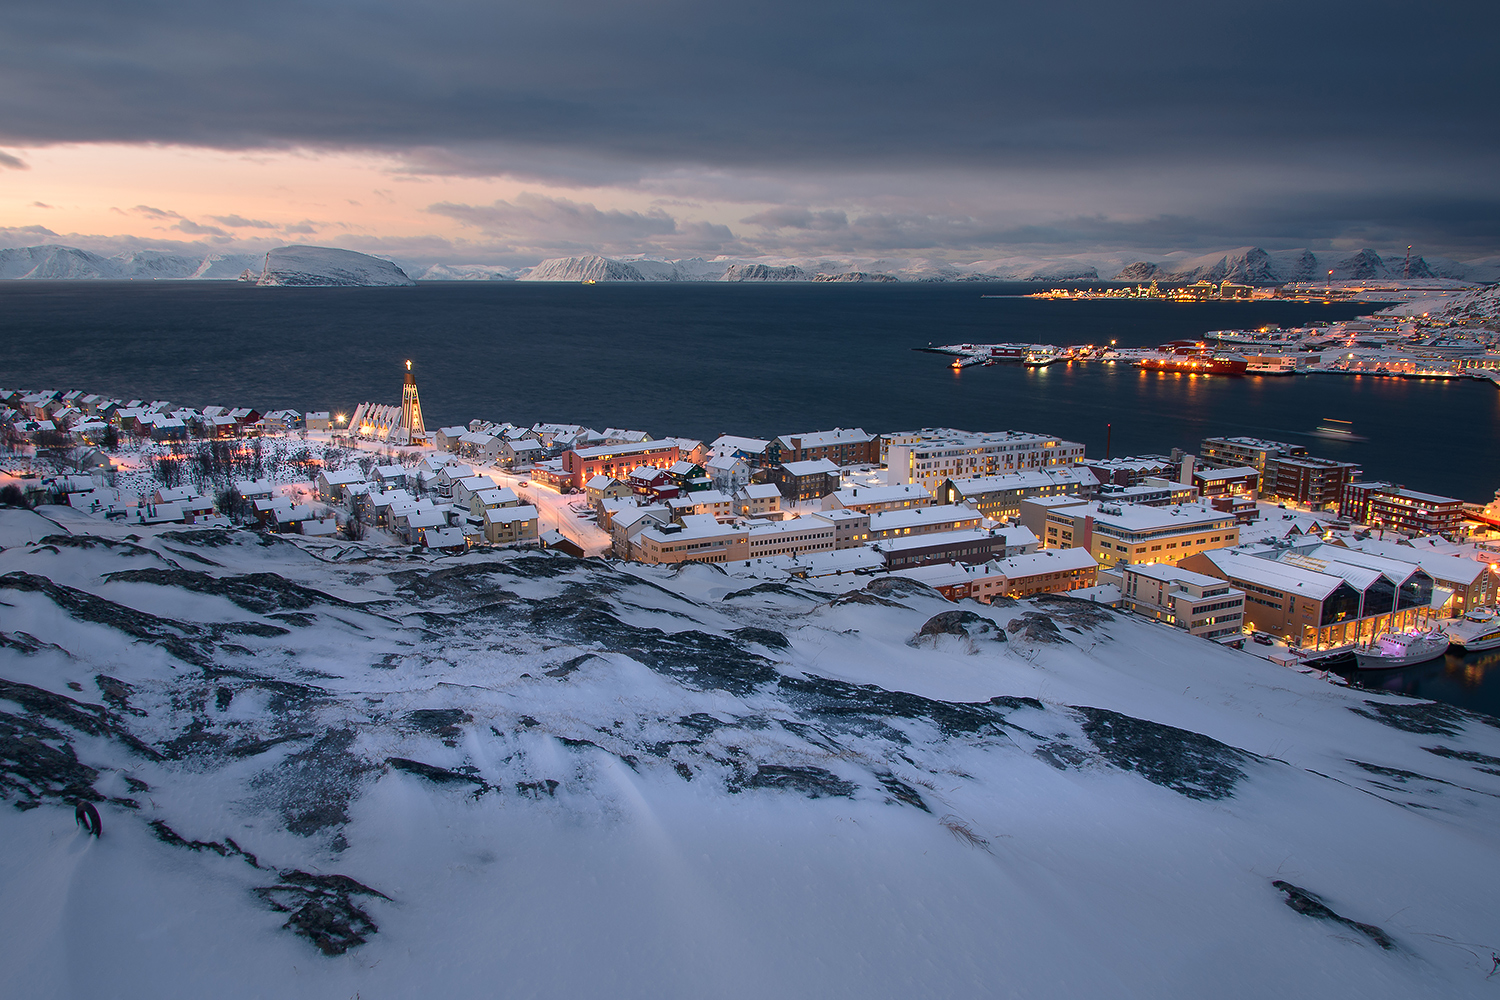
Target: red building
(617, 460)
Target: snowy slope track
(324, 771)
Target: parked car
(1263, 639)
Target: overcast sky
(472, 131)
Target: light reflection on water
(1469, 681)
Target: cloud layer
(837, 126)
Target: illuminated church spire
(411, 410)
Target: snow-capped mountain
(327, 771)
(1255, 266)
(55, 262)
(590, 268)
(467, 272)
(305, 265)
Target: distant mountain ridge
(53, 262)
(1255, 266)
(1245, 265)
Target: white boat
(1479, 629)
(1400, 649)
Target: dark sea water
(1468, 680)
(702, 359)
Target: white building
(933, 454)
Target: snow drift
(324, 770)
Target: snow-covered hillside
(467, 272)
(60, 262)
(325, 771)
(304, 265)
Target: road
(554, 511)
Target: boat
(1040, 358)
(1195, 364)
(1400, 649)
(969, 360)
(1477, 630)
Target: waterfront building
(875, 499)
(1203, 605)
(1316, 608)
(1231, 452)
(1121, 534)
(1473, 583)
(999, 497)
(1241, 480)
(840, 446)
(933, 455)
(1389, 506)
(579, 465)
(1316, 482)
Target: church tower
(411, 410)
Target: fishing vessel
(1477, 630)
(1400, 649)
(1195, 364)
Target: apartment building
(999, 497)
(1120, 534)
(923, 521)
(1053, 571)
(932, 455)
(1203, 605)
(1388, 506)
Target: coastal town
(1252, 543)
(1384, 346)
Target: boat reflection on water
(1469, 681)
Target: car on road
(1263, 639)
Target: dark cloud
(601, 93)
(40, 204)
(12, 162)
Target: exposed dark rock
(900, 586)
(26, 643)
(1310, 905)
(225, 849)
(322, 909)
(536, 789)
(1036, 627)
(869, 704)
(312, 788)
(865, 597)
(95, 720)
(1189, 763)
(900, 790)
(693, 657)
(766, 637)
(1471, 756)
(1074, 610)
(568, 666)
(1061, 755)
(444, 723)
(814, 782)
(1428, 718)
(435, 774)
(259, 593)
(784, 589)
(37, 764)
(961, 623)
